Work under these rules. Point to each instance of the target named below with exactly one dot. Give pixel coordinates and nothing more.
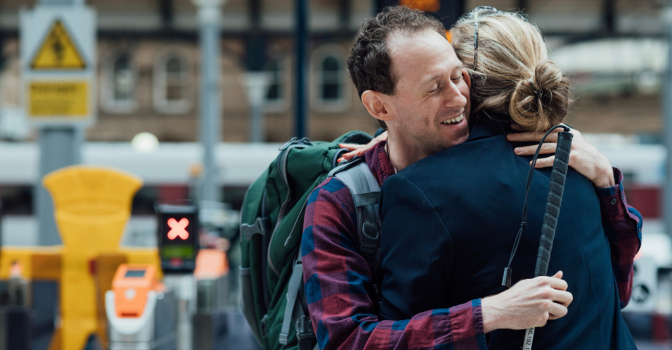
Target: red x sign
(178, 229)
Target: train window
(143, 202)
(17, 200)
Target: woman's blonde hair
(513, 75)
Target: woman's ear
(466, 77)
(377, 104)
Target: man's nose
(454, 97)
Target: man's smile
(455, 120)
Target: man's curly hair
(369, 63)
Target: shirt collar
(377, 160)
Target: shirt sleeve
(623, 227)
(338, 285)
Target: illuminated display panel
(135, 273)
(178, 236)
(182, 252)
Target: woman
(464, 203)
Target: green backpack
(271, 228)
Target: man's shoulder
(332, 190)
(330, 185)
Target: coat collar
(485, 126)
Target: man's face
(431, 100)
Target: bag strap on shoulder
(364, 189)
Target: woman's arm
(358, 150)
(623, 228)
(584, 157)
(622, 223)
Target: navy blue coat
(449, 223)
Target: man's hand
(529, 303)
(358, 150)
(584, 157)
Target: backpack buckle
(263, 326)
(304, 329)
(304, 333)
(294, 140)
(260, 227)
(368, 250)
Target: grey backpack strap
(364, 189)
(294, 311)
(295, 282)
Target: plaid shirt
(337, 279)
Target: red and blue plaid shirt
(337, 279)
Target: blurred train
(170, 171)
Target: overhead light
(144, 142)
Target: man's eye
(458, 78)
(436, 89)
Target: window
(331, 88)
(172, 83)
(119, 82)
(277, 95)
(330, 85)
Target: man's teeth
(454, 120)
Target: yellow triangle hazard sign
(58, 51)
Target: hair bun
(542, 100)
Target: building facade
(148, 64)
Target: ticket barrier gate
(142, 314)
(210, 320)
(16, 316)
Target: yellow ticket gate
(92, 206)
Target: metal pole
(667, 113)
(301, 47)
(59, 147)
(257, 87)
(209, 16)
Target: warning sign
(58, 51)
(53, 98)
(58, 60)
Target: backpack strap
(364, 189)
(261, 226)
(295, 310)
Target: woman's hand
(584, 157)
(358, 150)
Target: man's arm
(338, 284)
(623, 228)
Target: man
(408, 78)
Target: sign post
(58, 64)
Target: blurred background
(277, 69)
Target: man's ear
(377, 104)
(466, 77)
